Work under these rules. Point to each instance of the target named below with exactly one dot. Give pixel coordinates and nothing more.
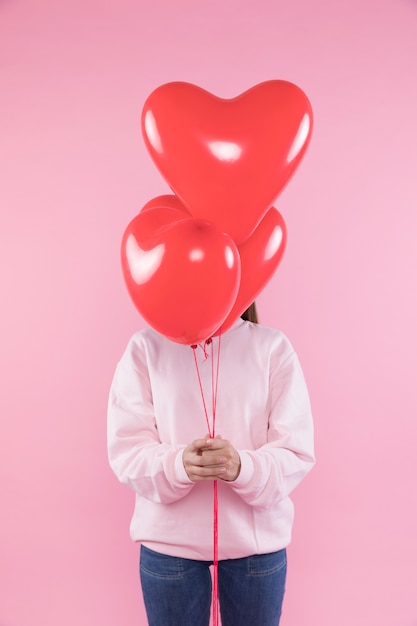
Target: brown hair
(251, 314)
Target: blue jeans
(178, 592)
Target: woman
(162, 395)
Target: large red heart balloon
(182, 273)
(260, 256)
(227, 160)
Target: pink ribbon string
(215, 364)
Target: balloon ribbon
(212, 433)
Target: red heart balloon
(260, 256)
(182, 273)
(227, 160)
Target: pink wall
(74, 171)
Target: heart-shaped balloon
(227, 160)
(260, 256)
(182, 273)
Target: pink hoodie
(263, 409)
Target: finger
(202, 473)
(201, 444)
(208, 459)
(217, 443)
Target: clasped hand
(211, 459)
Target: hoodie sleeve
(137, 456)
(271, 472)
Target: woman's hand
(211, 459)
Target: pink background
(74, 171)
